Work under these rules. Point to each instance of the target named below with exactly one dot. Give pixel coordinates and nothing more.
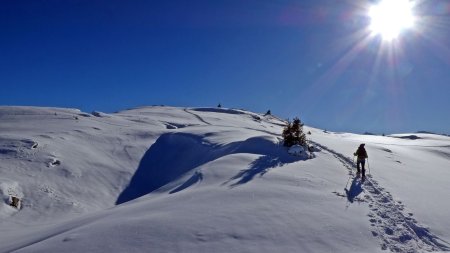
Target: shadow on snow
(354, 191)
(175, 154)
(261, 166)
(197, 177)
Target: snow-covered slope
(165, 179)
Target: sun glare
(390, 17)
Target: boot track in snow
(397, 230)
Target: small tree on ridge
(293, 133)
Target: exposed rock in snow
(100, 114)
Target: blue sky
(311, 59)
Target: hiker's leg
(363, 169)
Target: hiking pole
(368, 165)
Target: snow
(168, 179)
(296, 150)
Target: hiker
(361, 154)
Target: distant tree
(288, 135)
(299, 136)
(219, 105)
(293, 133)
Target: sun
(390, 17)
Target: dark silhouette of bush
(293, 133)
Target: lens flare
(390, 17)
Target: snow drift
(165, 179)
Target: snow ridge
(397, 230)
(197, 116)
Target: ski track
(396, 229)
(197, 116)
(207, 123)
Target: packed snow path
(396, 229)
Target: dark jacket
(361, 153)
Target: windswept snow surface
(165, 179)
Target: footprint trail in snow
(396, 229)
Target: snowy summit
(166, 179)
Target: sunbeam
(390, 17)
